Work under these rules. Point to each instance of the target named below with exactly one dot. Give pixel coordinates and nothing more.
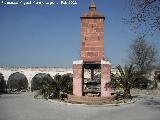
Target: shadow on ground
(152, 103)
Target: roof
(92, 12)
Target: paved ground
(25, 107)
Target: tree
(142, 83)
(156, 79)
(2, 84)
(67, 78)
(144, 14)
(142, 54)
(17, 81)
(126, 78)
(46, 89)
(38, 79)
(53, 89)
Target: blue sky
(43, 35)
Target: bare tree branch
(144, 15)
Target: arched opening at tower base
(91, 79)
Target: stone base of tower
(105, 78)
(78, 79)
(90, 100)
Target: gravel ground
(24, 107)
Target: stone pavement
(25, 107)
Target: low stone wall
(145, 92)
(89, 100)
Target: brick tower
(91, 74)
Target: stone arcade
(91, 74)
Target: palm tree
(53, 89)
(126, 78)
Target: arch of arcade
(31, 72)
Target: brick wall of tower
(92, 39)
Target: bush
(142, 83)
(59, 87)
(3, 85)
(39, 79)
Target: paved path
(25, 107)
